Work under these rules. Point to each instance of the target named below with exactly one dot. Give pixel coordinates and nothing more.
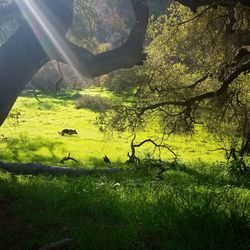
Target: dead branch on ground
(68, 158)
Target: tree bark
(20, 58)
(37, 169)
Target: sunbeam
(38, 17)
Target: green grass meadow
(32, 135)
(198, 204)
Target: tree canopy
(37, 31)
(195, 73)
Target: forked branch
(133, 158)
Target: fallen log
(38, 169)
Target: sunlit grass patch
(32, 134)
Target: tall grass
(125, 211)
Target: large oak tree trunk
(20, 58)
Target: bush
(122, 81)
(95, 103)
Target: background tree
(192, 76)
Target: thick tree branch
(126, 56)
(22, 54)
(20, 58)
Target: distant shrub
(95, 103)
(122, 81)
(76, 96)
(104, 80)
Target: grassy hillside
(197, 205)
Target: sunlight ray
(47, 34)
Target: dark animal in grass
(68, 132)
(106, 159)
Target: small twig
(68, 158)
(227, 152)
(202, 79)
(156, 145)
(106, 159)
(194, 17)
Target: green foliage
(185, 54)
(94, 103)
(123, 81)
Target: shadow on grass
(18, 150)
(99, 214)
(49, 101)
(212, 174)
(41, 151)
(198, 173)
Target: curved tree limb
(126, 56)
(22, 55)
